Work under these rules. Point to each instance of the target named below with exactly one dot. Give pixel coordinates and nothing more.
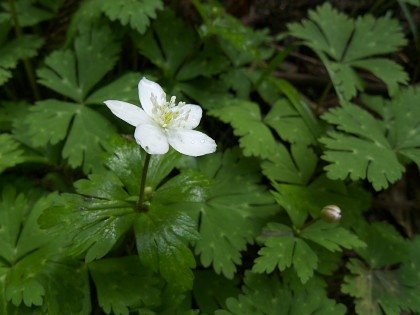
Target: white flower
(161, 123)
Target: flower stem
(140, 204)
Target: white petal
(146, 89)
(192, 115)
(191, 142)
(130, 113)
(152, 139)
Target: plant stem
(140, 203)
(308, 224)
(27, 64)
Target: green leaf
(32, 268)
(267, 295)
(122, 89)
(241, 43)
(11, 111)
(123, 283)
(233, 212)
(343, 44)
(92, 226)
(85, 131)
(27, 13)
(331, 236)
(136, 13)
(211, 290)
(371, 148)
(168, 43)
(95, 221)
(296, 167)
(300, 105)
(245, 117)
(162, 236)
(382, 239)
(282, 249)
(208, 61)
(288, 124)
(278, 250)
(10, 153)
(125, 159)
(302, 201)
(238, 80)
(75, 73)
(389, 291)
(389, 71)
(15, 50)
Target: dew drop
(202, 141)
(192, 141)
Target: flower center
(168, 114)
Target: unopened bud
(331, 214)
(148, 191)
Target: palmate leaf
(10, 154)
(32, 271)
(105, 211)
(300, 202)
(268, 295)
(15, 50)
(85, 131)
(384, 291)
(74, 73)
(136, 13)
(233, 210)
(122, 283)
(245, 117)
(175, 48)
(344, 44)
(162, 236)
(285, 248)
(368, 148)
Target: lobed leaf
(15, 50)
(85, 131)
(32, 268)
(296, 167)
(268, 295)
(10, 153)
(371, 148)
(344, 44)
(245, 117)
(74, 73)
(135, 13)
(162, 236)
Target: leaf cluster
(246, 230)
